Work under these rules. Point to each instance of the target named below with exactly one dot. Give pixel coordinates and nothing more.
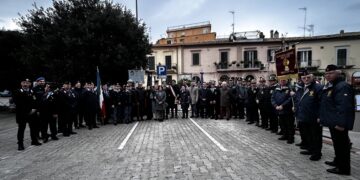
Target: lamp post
(201, 76)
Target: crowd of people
(275, 106)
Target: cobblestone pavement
(173, 149)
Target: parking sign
(161, 71)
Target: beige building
(223, 59)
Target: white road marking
(122, 145)
(209, 136)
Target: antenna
(304, 27)
(233, 24)
(310, 29)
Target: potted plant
(237, 65)
(233, 62)
(242, 62)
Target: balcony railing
(238, 66)
(310, 64)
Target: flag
(100, 93)
(286, 65)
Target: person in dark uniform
(116, 104)
(127, 99)
(184, 101)
(251, 105)
(204, 97)
(107, 103)
(241, 95)
(299, 91)
(39, 91)
(212, 101)
(91, 105)
(149, 102)
(79, 92)
(217, 97)
(264, 99)
(24, 100)
(48, 113)
(140, 91)
(67, 109)
(337, 112)
(233, 103)
(282, 102)
(307, 112)
(274, 122)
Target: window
(151, 63)
(224, 56)
(271, 54)
(168, 62)
(304, 58)
(205, 30)
(182, 33)
(341, 56)
(249, 58)
(195, 59)
(181, 40)
(168, 42)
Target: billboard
(136, 75)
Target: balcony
(238, 66)
(311, 64)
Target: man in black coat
(274, 122)
(307, 113)
(204, 100)
(251, 105)
(264, 99)
(48, 113)
(39, 91)
(24, 100)
(282, 102)
(140, 91)
(337, 112)
(91, 105)
(79, 91)
(67, 109)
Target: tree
(68, 40)
(11, 69)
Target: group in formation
(270, 103)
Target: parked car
(5, 93)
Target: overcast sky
(327, 16)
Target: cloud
(353, 7)
(177, 9)
(9, 24)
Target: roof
(225, 41)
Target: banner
(286, 65)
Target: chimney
(276, 34)
(342, 32)
(271, 34)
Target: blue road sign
(161, 71)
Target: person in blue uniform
(337, 112)
(307, 113)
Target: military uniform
(337, 112)
(91, 107)
(264, 98)
(67, 111)
(48, 109)
(307, 113)
(24, 100)
(251, 106)
(282, 97)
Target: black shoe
(300, 144)
(330, 163)
(66, 135)
(290, 141)
(77, 127)
(280, 133)
(303, 147)
(21, 147)
(282, 138)
(54, 138)
(305, 152)
(273, 131)
(73, 132)
(35, 143)
(268, 129)
(315, 157)
(45, 140)
(338, 171)
(82, 126)
(227, 119)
